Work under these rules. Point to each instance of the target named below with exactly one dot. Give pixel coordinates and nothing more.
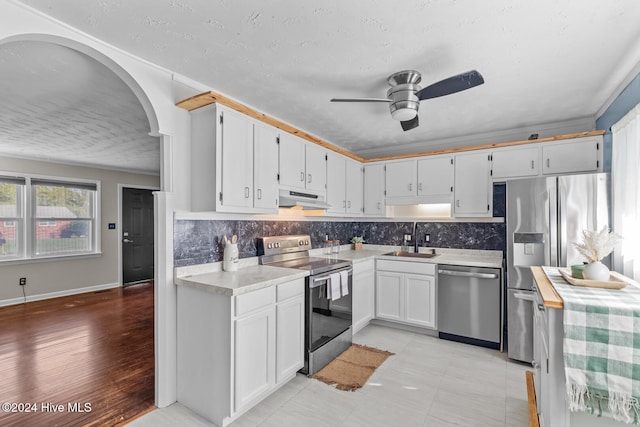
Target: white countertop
(445, 256)
(251, 276)
(246, 279)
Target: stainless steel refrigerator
(545, 216)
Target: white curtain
(625, 171)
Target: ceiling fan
(405, 94)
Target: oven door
(326, 318)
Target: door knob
(127, 241)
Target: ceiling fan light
(404, 114)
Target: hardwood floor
(84, 360)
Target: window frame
(27, 224)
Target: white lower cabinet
(254, 356)
(406, 292)
(289, 332)
(363, 294)
(233, 351)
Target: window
(626, 192)
(11, 213)
(47, 217)
(64, 214)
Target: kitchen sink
(410, 254)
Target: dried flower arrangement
(597, 244)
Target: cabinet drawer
(406, 267)
(256, 300)
(290, 290)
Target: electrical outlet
(427, 238)
(23, 281)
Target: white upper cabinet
(292, 162)
(303, 166)
(265, 170)
(472, 188)
(344, 185)
(435, 179)
(236, 160)
(400, 179)
(515, 162)
(223, 174)
(336, 188)
(316, 168)
(374, 203)
(579, 155)
(354, 187)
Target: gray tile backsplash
(200, 241)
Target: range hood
(290, 199)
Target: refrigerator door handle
(527, 296)
(554, 229)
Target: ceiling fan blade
(409, 124)
(360, 100)
(451, 85)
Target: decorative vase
(596, 271)
(357, 246)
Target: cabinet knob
(410, 185)
(301, 176)
(548, 162)
(246, 192)
(533, 164)
(458, 203)
(259, 193)
(309, 181)
(349, 204)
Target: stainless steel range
(328, 308)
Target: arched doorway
(68, 91)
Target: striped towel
(601, 348)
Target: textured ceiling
(60, 105)
(544, 62)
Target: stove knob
(277, 244)
(269, 245)
(306, 242)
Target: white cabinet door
(265, 170)
(400, 179)
(289, 337)
(472, 187)
(581, 155)
(512, 163)
(316, 168)
(354, 187)
(363, 294)
(336, 189)
(435, 177)
(236, 160)
(254, 356)
(374, 190)
(420, 300)
(292, 161)
(389, 295)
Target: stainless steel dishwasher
(469, 302)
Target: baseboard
(30, 298)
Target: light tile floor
(428, 382)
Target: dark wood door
(137, 235)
